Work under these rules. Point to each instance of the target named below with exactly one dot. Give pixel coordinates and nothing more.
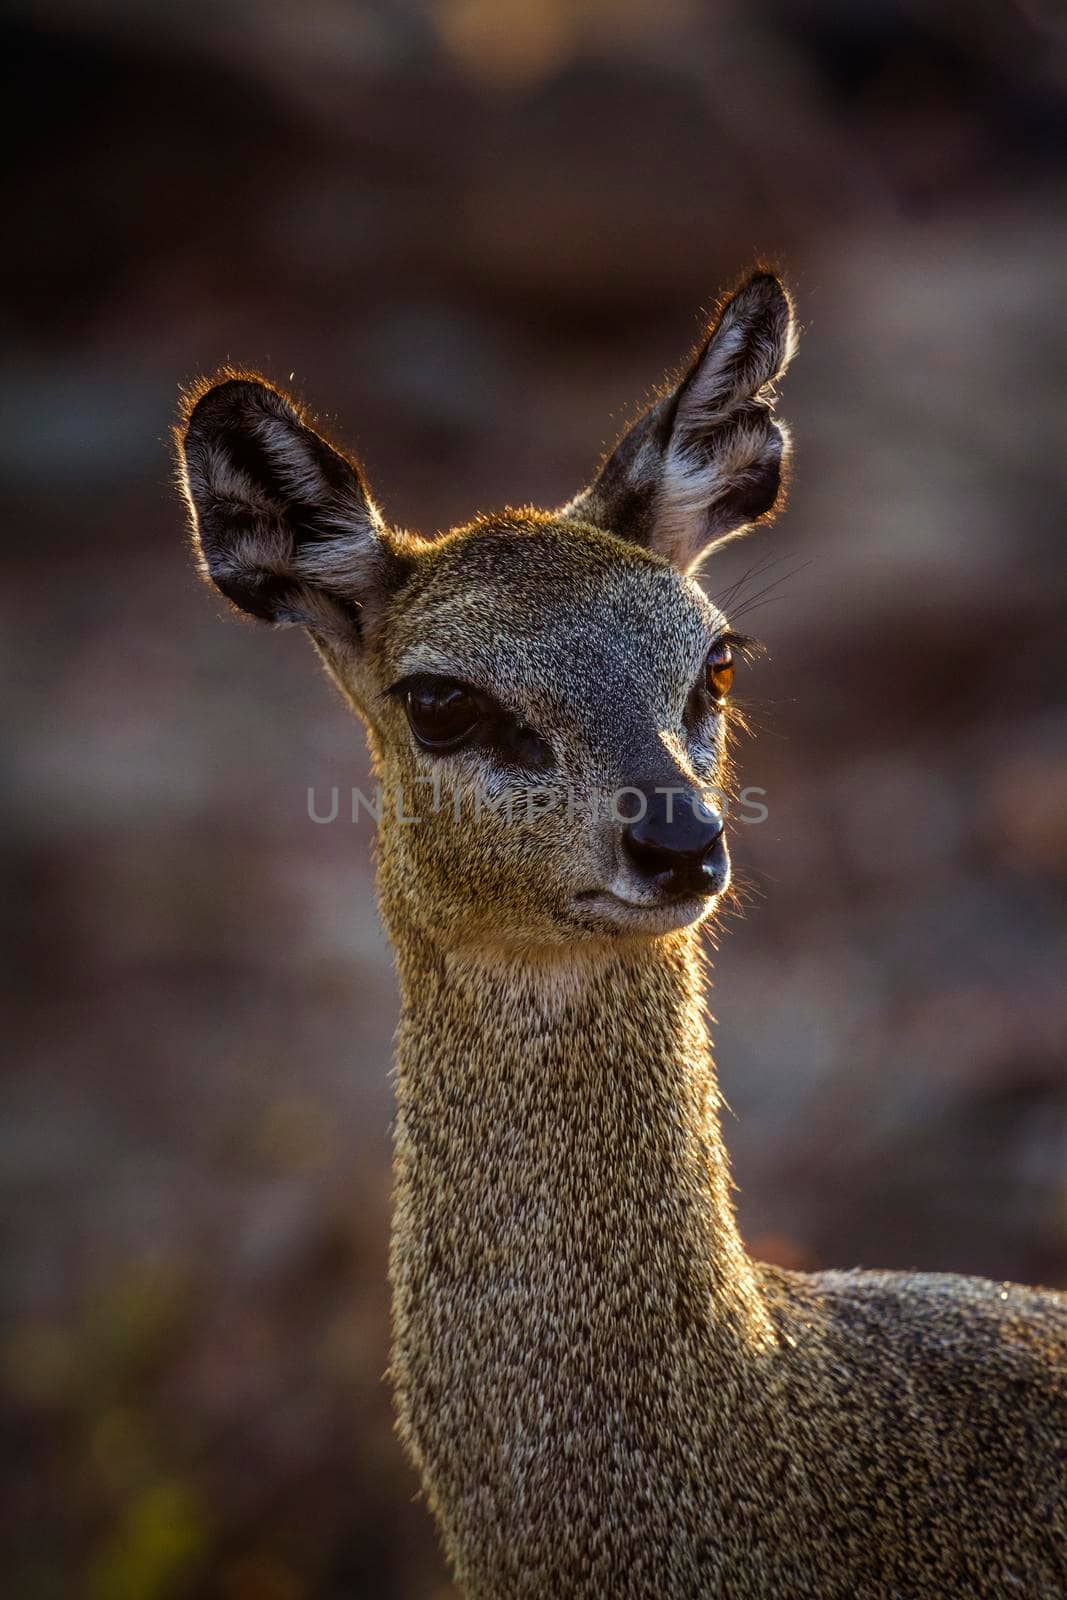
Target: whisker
(751, 601)
(727, 597)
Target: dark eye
(719, 671)
(443, 713)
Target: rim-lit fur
(603, 1394)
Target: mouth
(603, 908)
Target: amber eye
(442, 712)
(719, 671)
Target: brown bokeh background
(476, 233)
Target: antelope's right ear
(284, 524)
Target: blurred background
(475, 233)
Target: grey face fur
(583, 625)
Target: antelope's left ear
(706, 461)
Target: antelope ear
(706, 461)
(283, 522)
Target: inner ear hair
(723, 469)
(708, 459)
(283, 520)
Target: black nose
(677, 843)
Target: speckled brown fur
(603, 1394)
